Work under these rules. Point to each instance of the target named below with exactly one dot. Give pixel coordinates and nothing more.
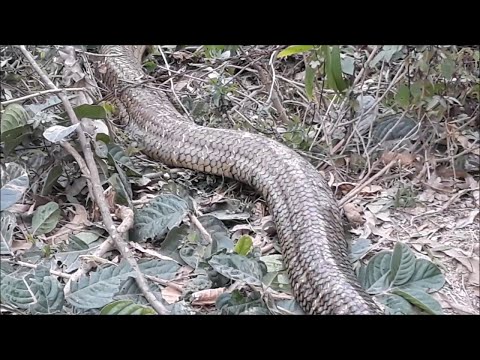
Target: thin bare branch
(97, 189)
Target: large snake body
(306, 214)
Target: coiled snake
(306, 214)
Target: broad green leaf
(273, 262)
(8, 222)
(70, 258)
(217, 230)
(348, 65)
(173, 241)
(237, 267)
(295, 49)
(402, 96)
(244, 245)
(14, 127)
(15, 287)
(12, 138)
(99, 287)
(125, 307)
(45, 218)
(90, 111)
(15, 185)
(103, 137)
(390, 51)
(402, 265)
(336, 69)
(427, 276)
(291, 306)
(447, 68)
(396, 305)
(235, 303)
(379, 286)
(378, 266)
(276, 276)
(162, 214)
(87, 237)
(13, 117)
(230, 209)
(361, 272)
(58, 133)
(420, 298)
(150, 66)
(359, 248)
(51, 179)
(309, 81)
(192, 254)
(48, 292)
(122, 196)
(117, 156)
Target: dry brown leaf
(436, 183)
(461, 223)
(170, 294)
(467, 145)
(181, 84)
(20, 245)
(462, 258)
(19, 208)
(371, 189)
(353, 212)
(207, 297)
(79, 221)
(442, 197)
(403, 158)
(427, 196)
(474, 276)
(447, 303)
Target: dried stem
(97, 189)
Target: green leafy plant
(322, 61)
(402, 282)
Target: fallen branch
(44, 92)
(97, 189)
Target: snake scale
(307, 217)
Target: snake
(306, 214)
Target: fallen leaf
(461, 223)
(20, 245)
(462, 258)
(474, 276)
(371, 189)
(384, 216)
(207, 297)
(403, 159)
(170, 294)
(79, 221)
(353, 212)
(19, 208)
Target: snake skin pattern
(306, 214)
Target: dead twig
(40, 93)
(98, 190)
(105, 247)
(200, 228)
(360, 186)
(33, 266)
(273, 94)
(444, 206)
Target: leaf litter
(379, 216)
